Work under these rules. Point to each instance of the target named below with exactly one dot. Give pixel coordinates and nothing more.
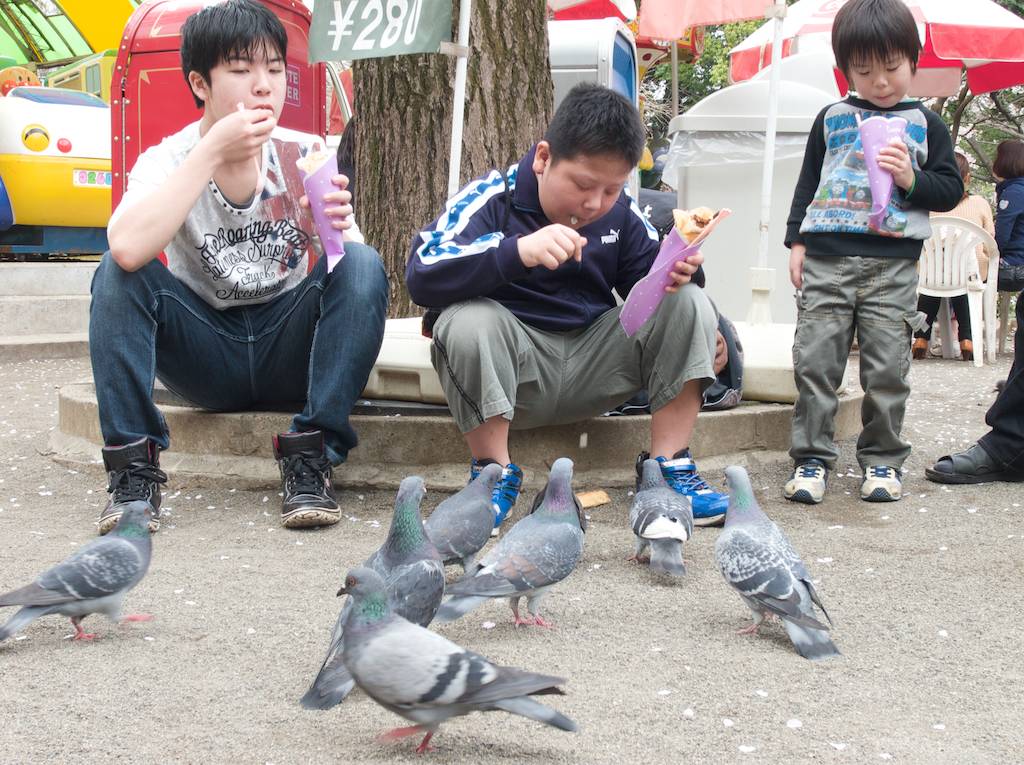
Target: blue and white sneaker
(506, 490)
(681, 474)
(807, 483)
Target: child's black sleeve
(807, 183)
(937, 185)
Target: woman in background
(1008, 168)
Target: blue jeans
(316, 343)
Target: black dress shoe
(972, 466)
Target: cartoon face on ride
(54, 158)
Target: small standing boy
(851, 276)
(522, 265)
(236, 319)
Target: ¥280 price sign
(344, 30)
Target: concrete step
(44, 314)
(235, 449)
(58, 278)
(68, 345)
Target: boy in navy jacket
(522, 265)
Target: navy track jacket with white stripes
(472, 250)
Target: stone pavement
(926, 595)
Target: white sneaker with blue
(881, 484)
(807, 483)
(506, 490)
(681, 474)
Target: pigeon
(413, 574)
(758, 561)
(425, 677)
(94, 580)
(461, 525)
(540, 550)
(662, 519)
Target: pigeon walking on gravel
(461, 525)
(425, 677)
(94, 580)
(758, 561)
(662, 519)
(413, 574)
(541, 550)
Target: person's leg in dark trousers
(145, 324)
(999, 454)
(1005, 443)
(318, 344)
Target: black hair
(233, 29)
(866, 30)
(1009, 161)
(594, 120)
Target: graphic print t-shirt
(230, 255)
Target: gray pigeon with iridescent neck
(758, 561)
(461, 525)
(413, 574)
(662, 520)
(425, 677)
(541, 550)
(94, 580)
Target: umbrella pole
(762, 278)
(458, 113)
(675, 78)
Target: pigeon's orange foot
(425, 744)
(137, 618)
(397, 733)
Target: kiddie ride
(54, 171)
(55, 176)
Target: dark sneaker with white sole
(133, 473)
(309, 499)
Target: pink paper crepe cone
(316, 184)
(645, 297)
(876, 133)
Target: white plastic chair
(949, 267)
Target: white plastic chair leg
(1004, 319)
(974, 304)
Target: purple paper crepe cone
(316, 184)
(876, 133)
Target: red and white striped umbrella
(978, 35)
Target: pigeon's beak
(342, 591)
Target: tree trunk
(403, 131)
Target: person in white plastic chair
(976, 209)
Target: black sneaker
(133, 473)
(306, 477)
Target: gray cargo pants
(490, 363)
(877, 297)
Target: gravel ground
(925, 593)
